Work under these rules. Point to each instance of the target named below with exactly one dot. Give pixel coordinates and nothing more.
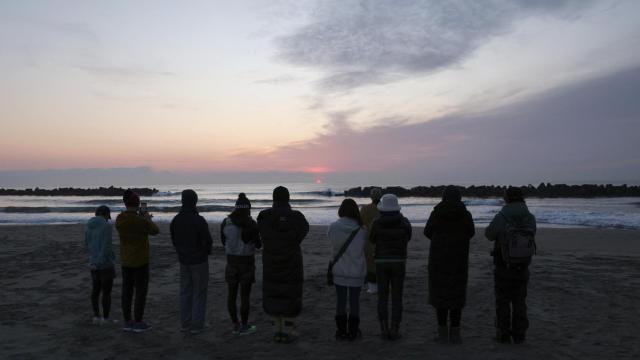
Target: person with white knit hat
(390, 233)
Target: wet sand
(583, 303)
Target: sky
(394, 92)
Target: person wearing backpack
(512, 230)
(240, 238)
(390, 233)
(282, 230)
(347, 237)
(450, 228)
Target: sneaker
(128, 326)
(286, 338)
(372, 288)
(96, 320)
(247, 329)
(141, 326)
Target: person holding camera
(134, 227)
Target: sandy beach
(583, 303)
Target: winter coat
(282, 230)
(390, 233)
(97, 237)
(134, 231)
(350, 269)
(190, 236)
(515, 212)
(369, 213)
(240, 238)
(449, 227)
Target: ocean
(318, 202)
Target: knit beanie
(131, 199)
(281, 194)
(243, 202)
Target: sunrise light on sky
(424, 90)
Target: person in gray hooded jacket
(97, 238)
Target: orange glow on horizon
(316, 169)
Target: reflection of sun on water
(319, 181)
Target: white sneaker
(372, 288)
(97, 320)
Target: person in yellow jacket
(369, 213)
(134, 229)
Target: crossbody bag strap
(344, 247)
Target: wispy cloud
(357, 43)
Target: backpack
(518, 245)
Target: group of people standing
(369, 246)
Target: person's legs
(520, 319)
(455, 316)
(186, 295)
(245, 302)
(232, 295)
(354, 313)
(503, 308)
(107, 286)
(441, 314)
(341, 300)
(127, 293)
(397, 287)
(141, 284)
(200, 278)
(354, 301)
(383, 277)
(96, 287)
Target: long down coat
(450, 227)
(282, 230)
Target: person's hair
(103, 210)
(240, 213)
(513, 194)
(349, 209)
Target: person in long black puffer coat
(450, 228)
(282, 231)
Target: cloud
(583, 132)
(277, 80)
(127, 72)
(357, 43)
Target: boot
(454, 335)
(384, 329)
(341, 325)
(503, 337)
(354, 328)
(394, 332)
(443, 335)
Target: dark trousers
(390, 275)
(194, 283)
(454, 316)
(353, 295)
(134, 279)
(101, 282)
(245, 301)
(511, 305)
(371, 277)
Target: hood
(96, 222)
(390, 218)
(346, 224)
(189, 199)
(516, 210)
(450, 208)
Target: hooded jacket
(515, 212)
(390, 233)
(282, 231)
(97, 238)
(240, 237)
(190, 234)
(134, 231)
(350, 269)
(450, 228)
